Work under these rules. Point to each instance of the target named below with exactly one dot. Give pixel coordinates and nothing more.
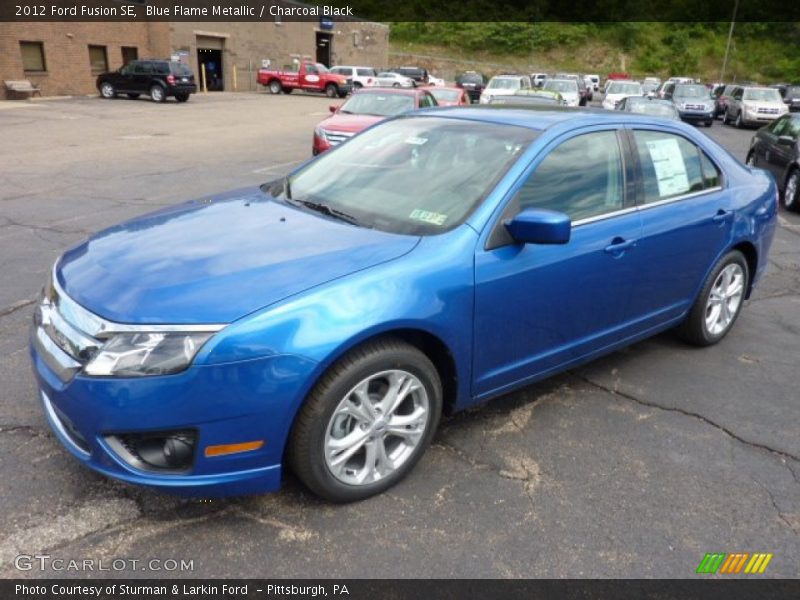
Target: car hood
(499, 91)
(762, 104)
(349, 123)
(217, 259)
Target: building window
(129, 53)
(98, 59)
(32, 56)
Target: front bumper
(225, 404)
(696, 115)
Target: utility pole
(728, 45)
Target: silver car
(387, 79)
(754, 106)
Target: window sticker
(416, 141)
(433, 218)
(669, 166)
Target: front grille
(768, 111)
(337, 137)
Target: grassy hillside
(765, 52)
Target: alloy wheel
(376, 427)
(725, 299)
(790, 193)
(107, 90)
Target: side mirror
(540, 226)
(333, 108)
(785, 140)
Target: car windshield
(379, 104)
(561, 85)
(762, 95)
(793, 92)
(321, 68)
(446, 95)
(656, 109)
(631, 88)
(504, 83)
(414, 175)
(691, 91)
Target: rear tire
(355, 395)
(719, 303)
(275, 87)
(791, 192)
(158, 94)
(395, 85)
(725, 117)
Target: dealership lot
(633, 466)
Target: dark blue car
(324, 322)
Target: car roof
(395, 91)
(537, 119)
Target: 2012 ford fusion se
(324, 322)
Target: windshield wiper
(327, 210)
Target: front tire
(791, 193)
(719, 303)
(107, 91)
(182, 97)
(367, 421)
(739, 121)
(157, 94)
(331, 90)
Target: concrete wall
(66, 49)
(247, 44)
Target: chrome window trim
(101, 328)
(644, 206)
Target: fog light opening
(165, 451)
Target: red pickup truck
(308, 76)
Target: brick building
(64, 58)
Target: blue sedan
(324, 322)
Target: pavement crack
(27, 429)
(687, 413)
(778, 511)
(16, 306)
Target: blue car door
(540, 307)
(686, 223)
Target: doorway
(210, 52)
(324, 42)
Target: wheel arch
(430, 344)
(751, 255)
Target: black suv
(157, 78)
(473, 83)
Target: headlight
(140, 354)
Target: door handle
(722, 216)
(619, 245)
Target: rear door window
(671, 166)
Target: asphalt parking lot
(633, 466)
